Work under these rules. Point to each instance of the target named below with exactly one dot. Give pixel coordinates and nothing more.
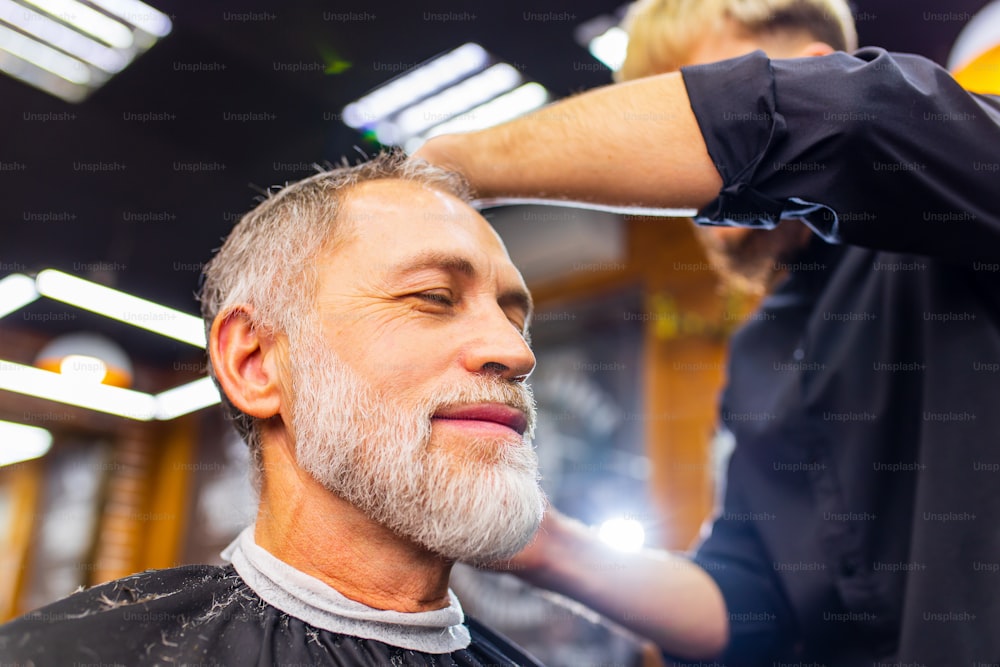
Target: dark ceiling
(165, 191)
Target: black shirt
(207, 615)
(861, 521)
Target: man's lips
(496, 413)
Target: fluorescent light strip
(137, 405)
(415, 85)
(39, 78)
(139, 14)
(451, 102)
(43, 56)
(55, 387)
(120, 306)
(186, 398)
(71, 41)
(88, 20)
(19, 442)
(16, 291)
(610, 47)
(516, 103)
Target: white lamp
(87, 358)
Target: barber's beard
(754, 263)
(478, 505)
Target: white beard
(373, 453)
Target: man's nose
(498, 348)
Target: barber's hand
(452, 152)
(436, 151)
(535, 561)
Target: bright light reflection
(122, 307)
(88, 20)
(450, 102)
(16, 291)
(19, 442)
(610, 47)
(71, 41)
(414, 85)
(516, 103)
(55, 387)
(186, 398)
(139, 14)
(623, 534)
(83, 368)
(44, 56)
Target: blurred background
(134, 137)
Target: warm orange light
(116, 377)
(982, 73)
(87, 358)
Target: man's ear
(245, 360)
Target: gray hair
(266, 262)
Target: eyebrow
(457, 264)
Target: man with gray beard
(368, 333)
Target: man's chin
(483, 514)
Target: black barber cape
(861, 520)
(207, 615)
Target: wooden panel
(23, 481)
(170, 494)
(684, 350)
(122, 525)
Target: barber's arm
(872, 149)
(632, 143)
(662, 596)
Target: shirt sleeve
(873, 149)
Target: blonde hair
(662, 33)
(267, 261)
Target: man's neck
(318, 533)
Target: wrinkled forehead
(400, 214)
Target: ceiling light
(602, 37)
(139, 14)
(72, 42)
(42, 56)
(415, 85)
(88, 370)
(87, 357)
(16, 291)
(137, 405)
(449, 103)
(186, 398)
(83, 368)
(55, 387)
(457, 87)
(69, 48)
(516, 103)
(610, 47)
(120, 306)
(87, 20)
(19, 442)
